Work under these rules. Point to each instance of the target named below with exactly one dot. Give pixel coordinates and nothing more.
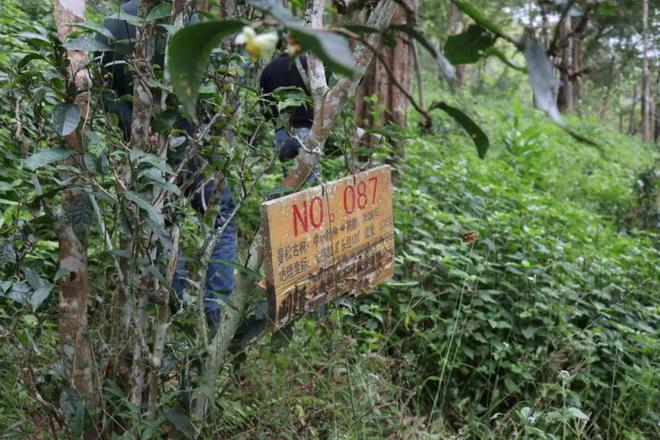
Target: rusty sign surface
(330, 240)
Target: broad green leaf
(577, 413)
(73, 406)
(290, 97)
(180, 421)
(35, 39)
(469, 46)
(46, 157)
(66, 117)
(475, 14)
(542, 81)
(239, 267)
(29, 57)
(95, 28)
(39, 296)
(162, 10)
(154, 215)
(86, 45)
(189, 53)
(158, 162)
(128, 18)
(476, 133)
(275, 8)
(331, 48)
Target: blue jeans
(288, 147)
(219, 276)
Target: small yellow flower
(257, 46)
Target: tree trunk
(631, 122)
(392, 104)
(565, 95)
(576, 66)
(74, 284)
(646, 85)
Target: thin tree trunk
(576, 66)
(646, 85)
(565, 95)
(392, 104)
(631, 123)
(141, 138)
(655, 114)
(74, 284)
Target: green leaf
(476, 15)
(189, 53)
(46, 157)
(95, 28)
(154, 215)
(29, 57)
(577, 413)
(162, 10)
(477, 135)
(239, 267)
(180, 421)
(86, 45)
(36, 39)
(128, 18)
(331, 48)
(39, 296)
(276, 10)
(73, 407)
(66, 117)
(290, 97)
(468, 47)
(582, 138)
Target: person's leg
(288, 147)
(301, 134)
(219, 275)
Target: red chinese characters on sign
(335, 239)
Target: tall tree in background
(646, 86)
(394, 65)
(565, 96)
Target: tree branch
(335, 98)
(74, 285)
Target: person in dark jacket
(282, 71)
(219, 276)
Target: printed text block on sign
(330, 240)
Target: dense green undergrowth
(524, 302)
(544, 326)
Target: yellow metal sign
(330, 240)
